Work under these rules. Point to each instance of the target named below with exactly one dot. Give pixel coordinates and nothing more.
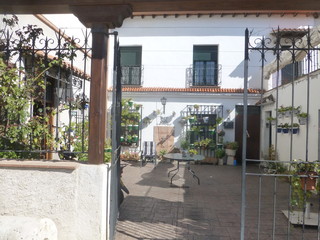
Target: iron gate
(284, 207)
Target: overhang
(140, 6)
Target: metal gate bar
(262, 49)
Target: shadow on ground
(154, 210)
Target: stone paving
(209, 211)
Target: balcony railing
(131, 75)
(203, 74)
(297, 70)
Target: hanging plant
(272, 120)
(303, 118)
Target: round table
(179, 157)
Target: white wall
(177, 102)
(73, 195)
(167, 44)
(299, 141)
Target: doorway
(253, 132)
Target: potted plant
(221, 133)
(162, 152)
(303, 117)
(130, 103)
(304, 181)
(211, 129)
(193, 152)
(205, 143)
(220, 153)
(219, 120)
(192, 119)
(279, 128)
(281, 112)
(135, 138)
(137, 106)
(295, 128)
(231, 148)
(285, 128)
(272, 120)
(184, 145)
(296, 110)
(135, 126)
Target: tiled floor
(210, 211)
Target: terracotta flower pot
(310, 182)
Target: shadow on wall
(255, 63)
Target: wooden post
(99, 18)
(98, 94)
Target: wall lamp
(163, 102)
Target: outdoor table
(179, 157)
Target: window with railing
(131, 68)
(205, 65)
(131, 75)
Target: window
(291, 71)
(205, 65)
(130, 61)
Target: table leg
(173, 170)
(193, 173)
(176, 169)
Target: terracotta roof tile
(189, 90)
(292, 30)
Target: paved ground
(209, 211)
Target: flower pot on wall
(285, 130)
(295, 130)
(309, 182)
(231, 152)
(302, 121)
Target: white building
(174, 51)
(298, 85)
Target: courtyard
(211, 210)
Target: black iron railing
(131, 75)
(203, 74)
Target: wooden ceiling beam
(63, 6)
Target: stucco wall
(299, 141)
(167, 44)
(177, 102)
(73, 195)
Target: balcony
(131, 75)
(204, 74)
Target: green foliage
(130, 116)
(204, 143)
(185, 144)
(162, 152)
(220, 153)
(299, 194)
(231, 145)
(24, 88)
(302, 115)
(193, 152)
(15, 126)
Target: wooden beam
(98, 94)
(63, 6)
(111, 16)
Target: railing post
(244, 135)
